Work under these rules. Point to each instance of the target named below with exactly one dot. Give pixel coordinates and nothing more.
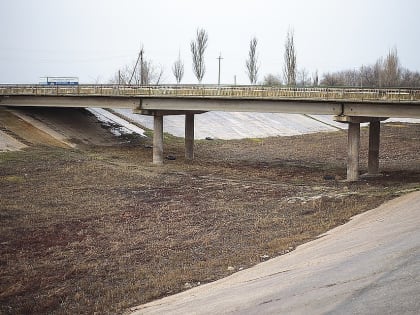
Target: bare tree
(330, 79)
(272, 80)
(383, 73)
(178, 69)
(252, 61)
(391, 69)
(141, 71)
(147, 74)
(303, 77)
(198, 47)
(290, 68)
(315, 78)
(150, 73)
(410, 78)
(367, 76)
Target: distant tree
(409, 78)
(386, 72)
(252, 66)
(272, 80)
(151, 74)
(330, 79)
(198, 47)
(367, 76)
(315, 78)
(141, 71)
(391, 69)
(303, 77)
(178, 69)
(290, 67)
(147, 74)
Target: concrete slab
(239, 125)
(371, 265)
(8, 143)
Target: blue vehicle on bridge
(59, 81)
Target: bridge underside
(353, 146)
(203, 104)
(352, 113)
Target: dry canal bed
(99, 229)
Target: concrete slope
(68, 126)
(239, 125)
(8, 143)
(370, 265)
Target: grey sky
(92, 39)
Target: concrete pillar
(353, 152)
(189, 137)
(157, 139)
(374, 135)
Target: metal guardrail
(211, 91)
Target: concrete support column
(374, 135)
(158, 139)
(189, 137)
(353, 152)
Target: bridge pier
(189, 136)
(374, 139)
(158, 139)
(353, 148)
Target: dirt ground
(99, 229)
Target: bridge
(348, 105)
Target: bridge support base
(158, 139)
(353, 152)
(354, 145)
(189, 137)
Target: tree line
(385, 72)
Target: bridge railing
(212, 91)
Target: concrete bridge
(349, 105)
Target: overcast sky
(92, 39)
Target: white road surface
(371, 265)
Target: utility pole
(141, 66)
(220, 58)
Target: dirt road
(370, 265)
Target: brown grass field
(99, 229)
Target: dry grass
(101, 229)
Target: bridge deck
(351, 105)
(231, 92)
